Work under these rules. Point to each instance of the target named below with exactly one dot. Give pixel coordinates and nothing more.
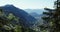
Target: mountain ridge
(21, 14)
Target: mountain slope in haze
(27, 20)
(34, 14)
(38, 17)
(37, 13)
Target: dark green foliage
(52, 18)
(6, 24)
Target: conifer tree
(52, 18)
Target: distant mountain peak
(38, 11)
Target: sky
(29, 4)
